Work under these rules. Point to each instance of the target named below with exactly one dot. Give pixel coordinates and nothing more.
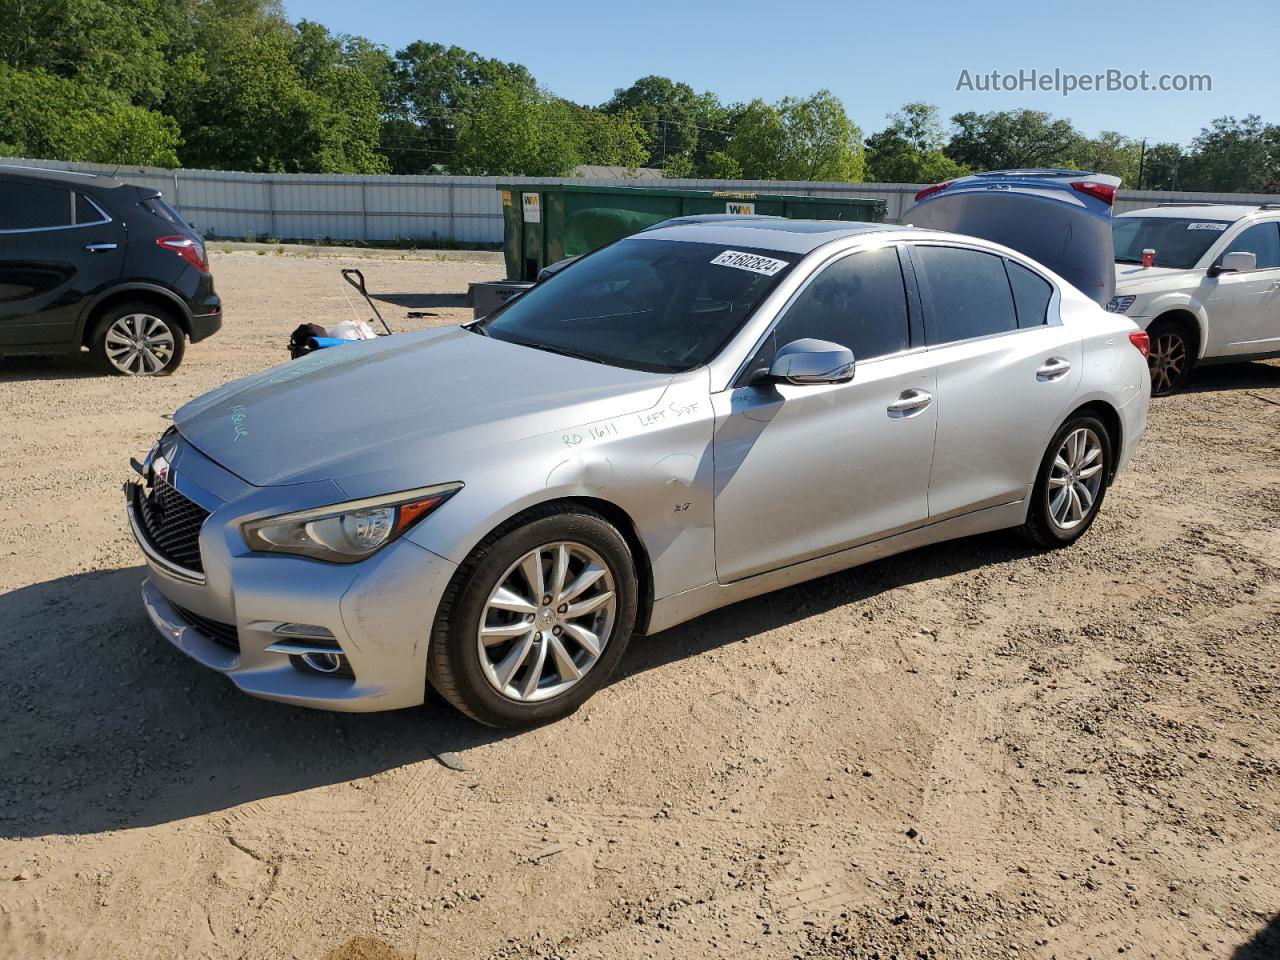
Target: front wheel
(1071, 484)
(535, 619)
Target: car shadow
(1252, 375)
(1263, 945)
(108, 727)
(418, 301)
(61, 366)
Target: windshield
(1178, 243)
(658, 305)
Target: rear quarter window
(1031, 295)
(161, 209)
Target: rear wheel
(535, 619)
(1071, 484)
(1172, 356)
(138, 340)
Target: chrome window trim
(106, 218)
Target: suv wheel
(535, 619)
(1071, 484)
(138, 340)
(1171, 357)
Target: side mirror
(812, 361)
(1238, 261)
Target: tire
(1048, 525)
(488, 679)
(127, 325)
(1173, 353)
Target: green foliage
(909, 149)
(507, 133)
(46, 116)
(1011, 138)
(1110, 152)
(1235, 155)
(809, 139)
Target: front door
(803, 471)
(1244, 309)
(56, 250)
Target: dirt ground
(973, 750)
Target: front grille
(172, 524)
(221, 633)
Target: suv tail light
(1140, 340)
(930, 191)
(188, 248)
(1099, 191)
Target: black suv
(91, 261)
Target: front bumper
(380, 613)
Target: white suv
(1212, 294)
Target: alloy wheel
(1167, 361)
(139, 344)
(546, 623)
(1075, 478)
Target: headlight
(345, 532)
(1120, 304)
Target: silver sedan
(688, 417)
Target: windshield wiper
(558, 350)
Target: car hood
(400, 401)
(1132, 276)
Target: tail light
(188, 248)
(1099, 191)
(930, 191)
(1140, 340)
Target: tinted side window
(86, 212)
(1031, 294)
(161, 209)
(1262, 239)
(858, 302)
(26, 207)
(968, 293)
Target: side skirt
(676, 609)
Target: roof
(70, 177)
(792, 236)
(1193, 211)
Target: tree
(909, 149)
(1011, 138)
(431, 87)
(809, 139)
(506, 132)
(53, 117)
(1161, 167)
(1110, 152)
(668, 111)
(615, 140)
(1234, 155)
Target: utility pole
(1142, 157)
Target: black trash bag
(303, 340)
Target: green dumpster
(543, 224)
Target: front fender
(1167, 303)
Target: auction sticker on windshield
(1206, 225)
(749, 261)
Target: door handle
(1055, 368)
(100, 247)
(909, 403)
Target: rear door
(803, 471)
(1244, 309)
(57, 249)
(1006, 371)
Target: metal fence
(444, 210)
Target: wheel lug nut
(546, 601)
(556, 631)
(528, 618)
(537, 637)
(563, 608)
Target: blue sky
(875, 58)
